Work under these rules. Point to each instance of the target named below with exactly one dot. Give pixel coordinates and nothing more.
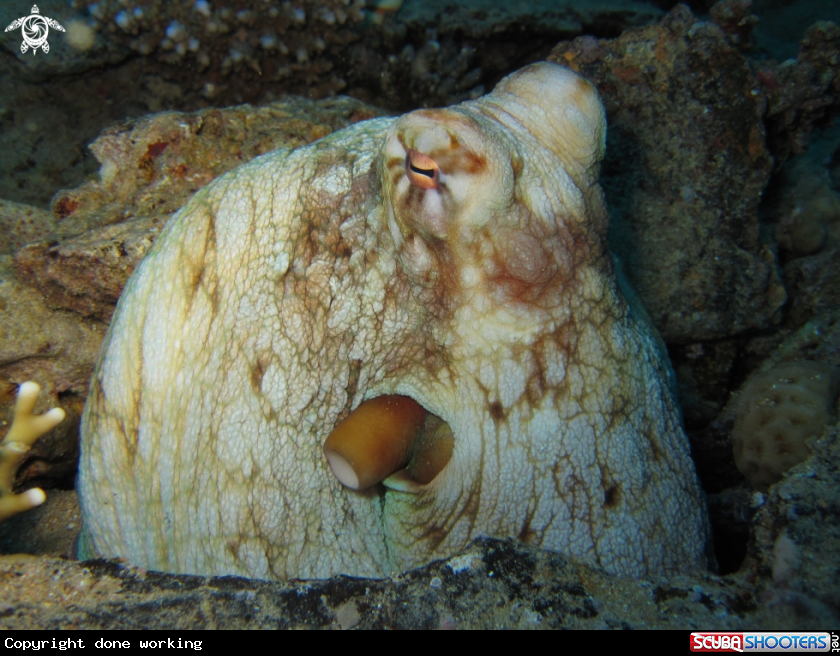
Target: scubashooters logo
(754, 642)
(35, 29)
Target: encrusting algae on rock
(776, 413)
(453, 257)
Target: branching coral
(25, 429)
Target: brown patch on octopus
(233, 548)
(258, 370)
(439, 289)
(497, 412)
(652, 441)
(527, 534)
(612, 496)
(436, 531)
(612, 491)
(199, 270)
(100, 406)
(350, 389)
(536, 387)
(461, 160)
(520, 286)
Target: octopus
(357, 356)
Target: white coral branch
(25, 429)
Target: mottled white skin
(307, 281)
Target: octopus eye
(422, 171)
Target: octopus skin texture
(452, 259)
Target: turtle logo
(35, 29)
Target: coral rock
(686, 167)
(777, 412)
